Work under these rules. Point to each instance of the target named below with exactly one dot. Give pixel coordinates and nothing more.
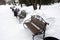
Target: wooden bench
(22, 15)
(36, 23)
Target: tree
(2, 2)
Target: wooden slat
(37, 22)
(32, 27)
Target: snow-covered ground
(11, 29)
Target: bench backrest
(38, 22)
(23, 12)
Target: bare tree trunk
(34, 4)
(21, 4)
(40, 4)
(20, 1)
(27, 2)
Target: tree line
(35, 2)
(43, 2)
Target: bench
(36, 26)
(22, 15)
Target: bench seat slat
(38, 23)
(31, 27)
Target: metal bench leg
(44, 33)
(43, 36)
(33, 36)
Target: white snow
(11, 29)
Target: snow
(11, 29)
